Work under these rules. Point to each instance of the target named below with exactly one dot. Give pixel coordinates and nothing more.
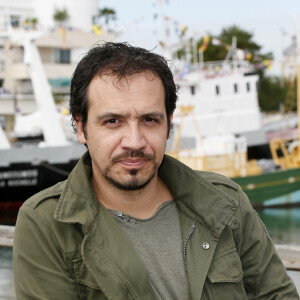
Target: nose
(133, 138)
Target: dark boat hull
(25, 172)
(20, 182)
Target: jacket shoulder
(218, 179)
(51, 192)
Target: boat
(39, 151)
(261, 188)
(217, 141)
(29, 169)
(227, 155)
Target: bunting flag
(64, 111)
(183, 30)
(186, 70)
(205, 43)
(216, 42)
(97, 29)
(162, 44)
(268, 63)
(248, 56)
(240, 54)
(62, 31)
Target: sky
(272, 22)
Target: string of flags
(259, 62)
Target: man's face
(126, 129)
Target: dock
(6, 235)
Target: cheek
(107, 146)
(157, 141)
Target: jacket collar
(78, 201)
(197, 197)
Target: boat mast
(52, 129)
(298, 85)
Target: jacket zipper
(185, 244)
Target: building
(61, 42)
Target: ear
(170, 118)
(80, 132)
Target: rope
(55, 169)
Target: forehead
(141, 89)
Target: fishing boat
(40, 150)
(28, 169)
(226, 154)
(286, 157)
(214, 138)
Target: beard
(135, 182)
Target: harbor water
(283, 226)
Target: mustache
(132, 154)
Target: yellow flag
(205, 43)
(183, 29)
(97, 29)
(268, 63)
(62, 31)
(248, 56)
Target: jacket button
(205, 246)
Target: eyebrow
(157, 115)
(109, 115)
(106, 116)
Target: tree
(273, 95)
(34, 22)
(60, 15)
(108, 14)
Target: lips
(133, 163)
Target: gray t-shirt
(158, 243)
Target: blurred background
(237, 65)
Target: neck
(141, 203)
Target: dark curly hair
(119, 60)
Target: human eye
(111, 123)
(150, 121)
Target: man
(130, 222)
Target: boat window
(217, 90)
(236, 88)
(14, 21)
(1, 59)
(248, 86)
(62, 56)
(193, 90)
(3, 121)
(26, 86)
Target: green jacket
(68, 246)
